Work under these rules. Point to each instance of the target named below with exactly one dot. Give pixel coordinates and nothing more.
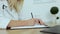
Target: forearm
(14, 23)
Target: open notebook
(27, 27)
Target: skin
(29, 22)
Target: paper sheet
(24, 27)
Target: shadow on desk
(52, 30)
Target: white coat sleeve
(3, 20)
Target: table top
(21, 31)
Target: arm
(29, 22)
(4, 22)
(13, 23)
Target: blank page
(24, 27)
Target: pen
(31, 15)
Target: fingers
(40, 22)
(37, 21)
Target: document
(28, 27)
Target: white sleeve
(3, 20)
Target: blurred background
(39, 8)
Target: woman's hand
(39, 21)
(36, 21)
(29, 22)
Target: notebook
(28, 27)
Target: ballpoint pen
(31, 15)
(39, 21)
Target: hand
(33, 21)
(38, 21)
(29, 22)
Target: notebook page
(35, 26)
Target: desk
(21, 31)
